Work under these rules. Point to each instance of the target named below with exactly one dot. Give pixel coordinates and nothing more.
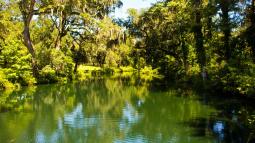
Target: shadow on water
(234, 121)
(123, 109)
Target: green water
(107, 111)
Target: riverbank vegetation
(192, 41)
(196, 40)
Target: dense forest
(192, 41)
(177, 71)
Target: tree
(225, 26)
(249, 33)
(199, 37)
(27, 8)
(67, 15)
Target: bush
(109, 71)
(4, 83)
(112, 59)
(27, 79)
(148, 70)
(238, 80)
(84, 72)
(62, 64)
(48, 75)
(127, 69)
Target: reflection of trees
(108, 110)
(67, 113)
(17, 101)
(163, 114)
(234, 123)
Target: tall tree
(201, 55)
(250, 31)
(209, 11)
(226, 26)
(27, 8)
(64, 16)
(69, 15)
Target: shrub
(48, 75)
(238, 80)
(127, 69)
(27, 79)
(4, 83)
(148, 70)
(112, 59)
(62, 64)
(84, 72)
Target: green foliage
(181, 39)
(86, 72)
(4, 83)
(112, 59)
(238, 81)
(48, 75)
(197, 40)
(27, 79)
(15, 60)
(149, 70)
(63, 65)
(127, 69)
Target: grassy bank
(84, 72)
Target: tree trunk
(185, 53)
(224, 4)
(252, 29)
(199, 39)
(58, 42)
(29, 45)
(76, 66)
(209, 20)
(209, 24)
(27, 10)
(61, 30)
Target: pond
(116, 110)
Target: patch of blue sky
(127, 4)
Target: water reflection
(110, 110)
(218, 129)
(233, 122)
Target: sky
(137, 4)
